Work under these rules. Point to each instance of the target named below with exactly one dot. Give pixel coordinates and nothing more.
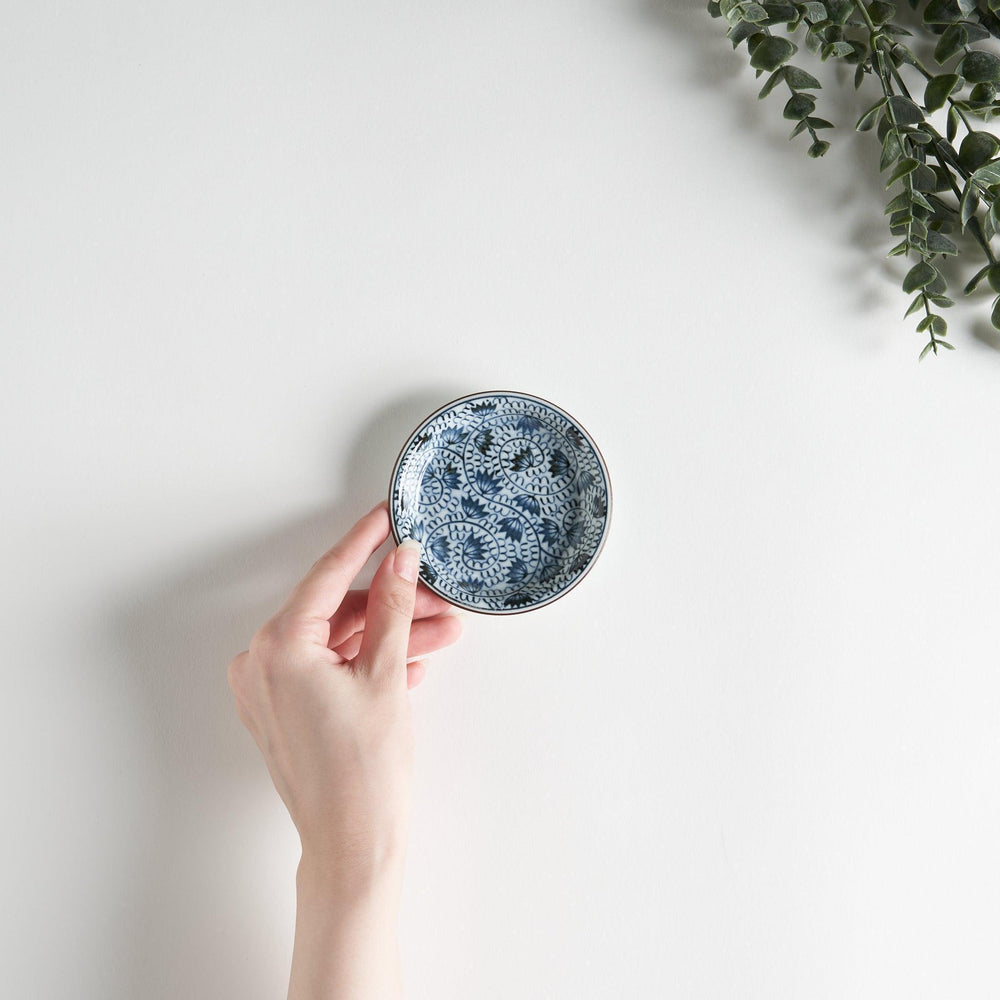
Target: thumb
(389, 614)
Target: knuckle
(269, 637)
(236, 667)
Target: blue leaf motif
(512, 528)
(518, 571)
(483, 441)
(550, 530)
(483, 408)
(417, 531)
(517, 600)
(486, 484)
(599, 506)
(579, 563)
(420, 441)
(440, 548)
(450, 477)
(473, 508)
(559, 463)
(522, 460)
(473, 548)
(549, 572)
(585, 480)
(529, 505)
(575, 436)
(427, 573)
(574, 533)
(528, 423)
(472, 586)
(454, 435)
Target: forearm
(346, 943)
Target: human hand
(323, 691)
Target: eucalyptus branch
(924, 163)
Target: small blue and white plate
(509, 498)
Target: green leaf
(939, 243)
(780, 13)
(925, 324)
(987, 175)
(713, 8)
(818, 148)
(953, 120)
(900, 249)
(740, 31)
(942, 12)
(799, 129)
(799, 79)
(898, 204)
(753, 12)
(838, 50)
(944, 343)
(819, 123)
(800, 106)
(881, 12)
(982, 94)
(977, 149)
(993, 276)
(867, 121)
(891, 151)
(900, 53)
(905, 111)
(939, 89)
(980, 67)
(976, 32)
(976, 279)
(840, 10)
(938, 286)
(952, 42)
(772, 52)
(939, 326)
(995, 317)
(919, 276)
(923, 178)
(906, 166)
(969, 204)
(814, 11)
(772, 81)
(915, 306)
(927, 347)
(942, 301)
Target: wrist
(350, 877)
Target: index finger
(322, 590)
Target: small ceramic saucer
(509, 498)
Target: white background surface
(245, 248)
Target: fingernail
(407, 561)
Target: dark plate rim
(576, 423)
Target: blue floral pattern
(509, 498)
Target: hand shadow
(198, 917)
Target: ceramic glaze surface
(509, 498)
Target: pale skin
(323, 690)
